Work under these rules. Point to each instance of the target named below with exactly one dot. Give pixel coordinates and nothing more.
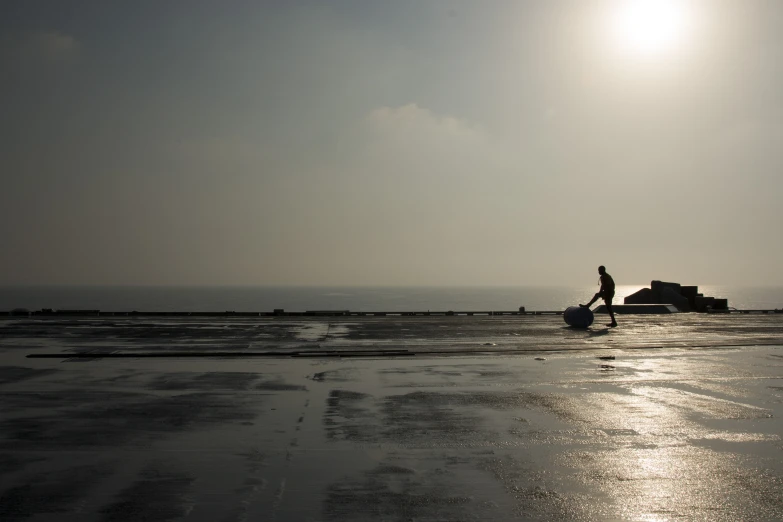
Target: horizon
(348, 286)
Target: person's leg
(608, 301)
(595, 298)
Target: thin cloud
(51, 46)
(416, 139)
(411, 116)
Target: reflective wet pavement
(459, 334)
(668, 433)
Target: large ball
(578, 316)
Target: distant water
(300, 299)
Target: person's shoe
(612, 324)
(584, 306)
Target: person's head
(602, 269)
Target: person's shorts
(607, 296)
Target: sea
(364, 299)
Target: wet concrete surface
(683, 429)
(449, 335)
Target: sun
(650, 27)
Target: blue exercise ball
(578, 316)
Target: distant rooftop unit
(685, 298)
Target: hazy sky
(390, 142)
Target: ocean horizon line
(360, 286)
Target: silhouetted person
(606, 293)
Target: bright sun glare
(650, 27)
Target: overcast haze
(388, 143)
